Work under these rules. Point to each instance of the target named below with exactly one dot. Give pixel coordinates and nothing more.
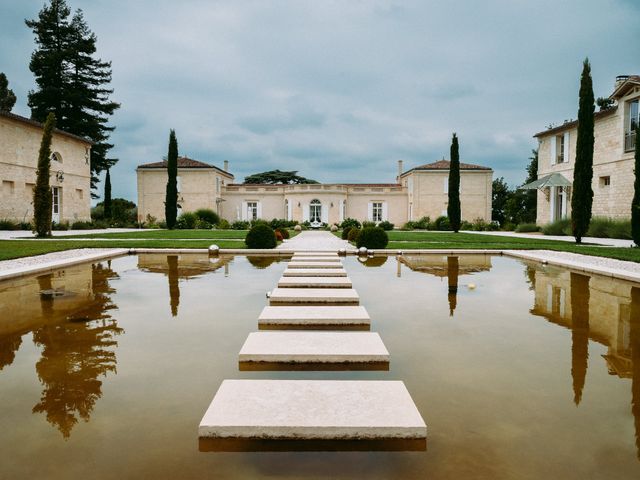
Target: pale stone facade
(613, 174)
(418, 192)
(70, 177)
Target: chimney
(226, 165)
(620, 79)
(399, 171)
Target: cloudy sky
(339, 90)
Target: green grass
(169, 234)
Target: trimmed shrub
(186, 221)
(208, 215)
(423, 224)
(7, 224)
(408, 226)
(203, 224)
(240, 225)
(441, 223)
(372, 237)
(60, 226)
(283, 232)
(350, 222)
(352, 236)
(386, 225)
(80, 225)
(281, 223)
(345, 232)
(368, 224)
(278, 235)
(223, 224)
(559, 227)
(527, 227)
(261, 236)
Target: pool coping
(531, 255)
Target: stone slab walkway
(310, 240)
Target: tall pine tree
(70, 81)
(7, 97)
(635, 204)
(42, 191)
(582, 196)
(453, 208)
(107, 196)
(171, 200)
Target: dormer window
(56, 157)
(631, 126)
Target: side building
(613, 170)
(418, 192)
(70, 177)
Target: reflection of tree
(74, 355)
(45, 283)
(453, 270)
(9, 345)
(374, 261)
(634, 340)
(174, 286)
(530, 273)
(579, 333)
(260, 261)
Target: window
(217, 184)
(605, 181)
(252, 210)
(560, 148)
(8, 187)
(178, 184)
(79, 193)
(315, 211)
(56, 157)
(376, 211)
(632, 126)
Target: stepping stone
(314, 347)
(314, 295)
(315, 272)
(312, 409)
(314, 316)
(337, 264)
(315, 282)
(315, 259)
(315, 254)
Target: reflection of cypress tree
(174, 287)
(46, 301)
(453, 270)
(530, 273)
(579, 333)
(74, 355)
(9, 345)
(634, 337)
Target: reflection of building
(438, 264)
(415, 193)
(20, 140)
(609, 306)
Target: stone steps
(315, 282)
(315, 272)
(311, 296)
(325, 264)
(312, 317)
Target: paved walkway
(315, 241)
(609, 242)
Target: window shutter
(446, 184)
(324, 214)
(178, 184)
(370, 211)
(243, 212)
(305, 212)
(385, 212)
(341, 211)
(259, 209)
(566, 147)
(554, 154)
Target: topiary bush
(368, 224)
(350, 222)
(186, 221)
(441, 223)
(223, 224)
(372, 237)
(240, 225)
(208, 215)
(386, 225)
(352, 236)
(345, 232)
(261, 236)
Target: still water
(520, 370)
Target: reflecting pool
(520, 370)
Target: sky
(339, 90)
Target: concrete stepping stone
(333, 316)
(314, 295)
(315, 282)
(315, 272)
(312, 409)
(336, 264)
(314, 347)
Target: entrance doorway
(315, 213)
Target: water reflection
(579, 333)
(373, 261)
(262, 262)
(634, 340)
(76, 353)
(453, 271)
(174, 285)
(9, 346)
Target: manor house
(418, 192)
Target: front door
(315, 212)
(55, 204)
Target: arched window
(56, 157)
(315, 211)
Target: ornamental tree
(453, 208)
(42, 191)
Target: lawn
(169, 234)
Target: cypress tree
(635, 204)
(42, 191)
(582, 197)
(107, 196)
(171, 200)
(70, 81)
(7, 97)
(453, 208)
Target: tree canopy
(70, 81)
(275, 177)
(7, 97)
